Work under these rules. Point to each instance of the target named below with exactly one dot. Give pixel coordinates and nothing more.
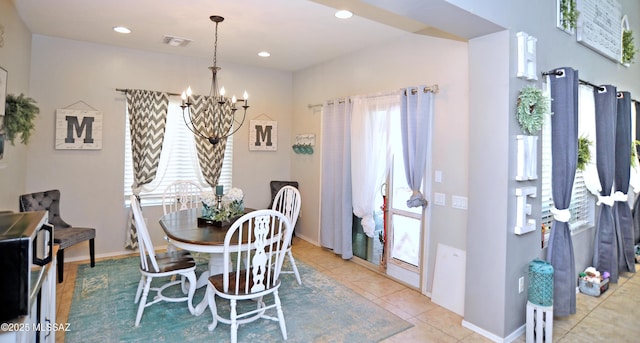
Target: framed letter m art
(263, 135)
(78, 129)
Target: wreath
(532, 107)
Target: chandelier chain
(215, 48)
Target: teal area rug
(320, 310)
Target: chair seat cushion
(69, 236)
(171, 261)
(217, 281)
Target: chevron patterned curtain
(210, 156)
(147, 119)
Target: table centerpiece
(221, 210)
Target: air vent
(175, 41)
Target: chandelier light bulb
(222, 91)
(189, 91)
(233, 99)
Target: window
(178, 160)
(582, 206)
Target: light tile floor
(608, 318)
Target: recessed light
(344, 14)
(121, 29)
(264, 54)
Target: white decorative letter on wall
(78, 129)
(527, 158)
(527, 56)
(523, 210)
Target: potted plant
(628, 47)
(569, 14)
(20, 111)
(584, 152)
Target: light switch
(438, 176)
(440, 199)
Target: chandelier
(213, 119)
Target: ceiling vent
(176, 41)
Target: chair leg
(143, 300)
(234, 321)
(139, 291)
(283, 326)
(293, 265)
(92, 252)
(60, 257)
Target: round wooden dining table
(182, 231)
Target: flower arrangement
(225, 208)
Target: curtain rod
(433, 89)
(586, 83)
(126, 90)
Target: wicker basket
(540, 290)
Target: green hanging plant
(628, 47)
(584, 152)
(569, 14)
(20, 111)
(531, 109)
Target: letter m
(263, 134)
(72, 124)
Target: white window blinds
(178, 160)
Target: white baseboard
(510, 338)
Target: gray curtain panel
(336, 218)
(605, 251)
(210, 157)
(622, 212)
(636, 205)
(416, 111)
(564, 143)
(147, 121)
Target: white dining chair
(154, 265)
(250, 244)
(181, 195)
(288, 202)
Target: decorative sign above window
(263, 135)
(599, 27)
(78, 129)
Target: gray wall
(14, 58)
(555, 48)
(91, 181)
(475, 131)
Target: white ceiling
(297, 33)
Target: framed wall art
(263, 135)
(78, 129)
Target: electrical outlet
(521, 284)
(459, 202)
